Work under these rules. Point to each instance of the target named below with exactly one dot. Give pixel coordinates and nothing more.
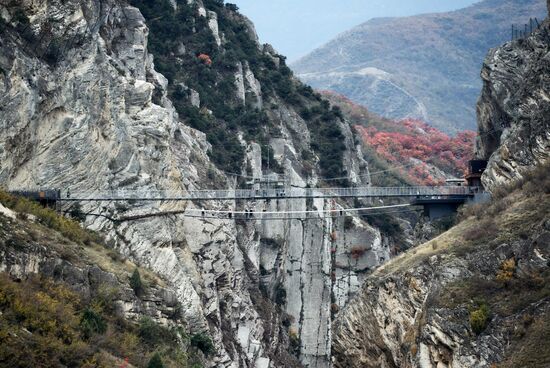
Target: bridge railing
(273, 193)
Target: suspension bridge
(252, 194)
(438, 201)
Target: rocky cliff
(73, 279)
(514, 108)
(477, 295)
(84, 108)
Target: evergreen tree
(155, 362)
(136, 283)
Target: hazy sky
(295, 27)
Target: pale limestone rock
(298, 254)
(181, 49)
(195, 98)
(514, 107)
(239, 83)
(90, 124)
(401, 317)
(200, 7)
(263, 363)
(253, 86)
(246, 83)
(7, 212)
(213, 25)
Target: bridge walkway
(276, 193)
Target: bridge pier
(436, 207)
(436, 211)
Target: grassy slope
(52, 332)
(517, 216)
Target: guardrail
(277, 193)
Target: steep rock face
(20, 257)
(418, 310)
(83, 109)
(78, 113)
(513, 110)
(310, 265)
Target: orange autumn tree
(205, 59)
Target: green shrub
(479, 318)
(153, 334)
(105, 296)
(203, 343)
(20, 17)
(58, 332)
(155, 361)
(53, 52)
(76, 213)
(294, 340)
(506, 271)
(327, 140)
(232, 7)
(387, 224)
(136, 284)
(280, 294)
(48, 217)
(91, 323)
(216, 84)
(48, 311)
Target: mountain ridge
(430, 63)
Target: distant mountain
(424, 67)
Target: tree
(76, 213)
(203, 343)
(155, 361)
(136, 284)
(91, 323)
(232, 7)
(479, 318)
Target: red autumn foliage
(424, 143)
(205, 59)
(409, 143)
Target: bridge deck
(287, 193)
